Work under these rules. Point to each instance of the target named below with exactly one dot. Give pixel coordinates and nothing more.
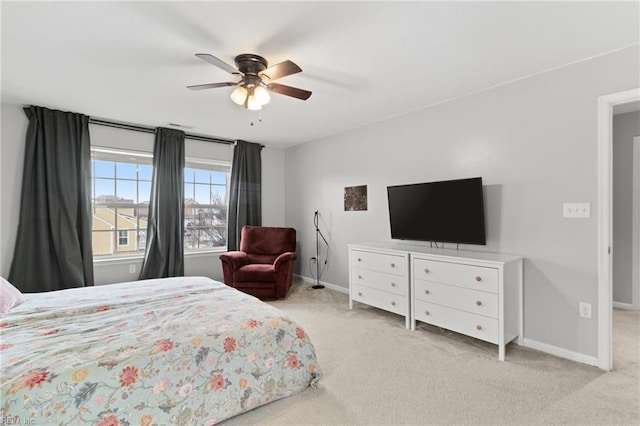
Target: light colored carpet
(376, 372)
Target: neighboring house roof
(111, 198)
(109, 218)
(102, 221)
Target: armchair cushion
(261, 258)
(263, 266)
(255, 272)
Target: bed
(173, 351)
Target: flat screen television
(449, 211)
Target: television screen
(448, 211)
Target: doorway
(605, 223)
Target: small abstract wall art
(355, 198)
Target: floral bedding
(173, 351)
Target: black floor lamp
(319, 235)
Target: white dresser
(478, 294)
(380, 278)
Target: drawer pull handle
(359, 277)
(359, 260)
(359, 294)
(426, 312)
(393, 284)
(393, 265)
(478, 327)
(393, 303)
(479, 303)
(426, 292)
(478, 279)
(426, 270)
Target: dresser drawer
(468, 276)
(379, 280)
(380, 299)
(380, 262)
(474, 301)
(473, 325)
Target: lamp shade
(262, 95)
(253, 103)
(239, 95)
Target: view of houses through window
(205, 205)
(121, 190)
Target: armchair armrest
(284, 258)
(235, 259)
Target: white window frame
(118, 155)
(209, 165)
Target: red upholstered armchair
(263, 266)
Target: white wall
(273, 181)
(533, 141)
(625, 127)
(14, 126)
(14, 130)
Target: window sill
(203, 253)
(115, 260)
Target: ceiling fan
(252, 91)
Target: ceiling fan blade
(289, 91)
(280, 70)
(210, 85)
(218, 63)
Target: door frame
(605, 222)
(635, 273)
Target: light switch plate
(576, 210)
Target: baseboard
(326, 284)
(561, 352)
(627, 306)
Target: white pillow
(10, 297)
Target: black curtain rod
(145, 129)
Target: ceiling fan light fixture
(262, 95)
(239, 95)
(253, 91)
(253, 104)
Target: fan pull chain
(259, 117)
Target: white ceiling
(363, 61)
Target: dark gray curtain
(53, 246)
(245, 198)
(164, 252)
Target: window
(121, 190)
(123, 238)
(205, 204)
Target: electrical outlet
(585, 310)
(132, 269)
(576, 210)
